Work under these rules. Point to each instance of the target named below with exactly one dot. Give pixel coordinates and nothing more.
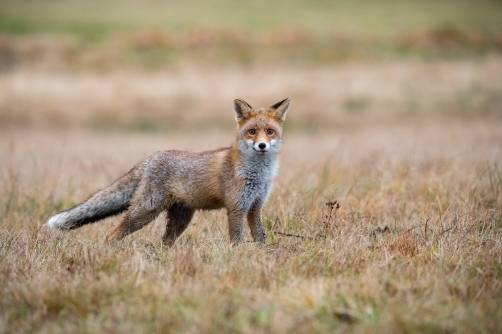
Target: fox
(238, 178)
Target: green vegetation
(95, 19)
(152, 34)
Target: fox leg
(178, 218)
(134, 219)
(235, 218)
(255, 224)
(145, 207)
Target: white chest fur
(258, 172)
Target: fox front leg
(255, 224)
(235, 218)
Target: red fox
(238, 178)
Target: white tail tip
(53, 221)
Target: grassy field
(96, 19)
(154, 34)
(396, 116)
(414, 247)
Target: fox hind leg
(135, 218)
(178, 218)
(148, 201)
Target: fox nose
(262, 146)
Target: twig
(290, 235)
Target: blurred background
(161, 66)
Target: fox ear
(281, 108)
(242, 110)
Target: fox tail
(107, 202)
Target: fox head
(259, 131)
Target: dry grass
(153, 49)
(199, 97)
(414, 247)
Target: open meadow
(386, 214)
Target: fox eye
(252, 132)
(270, 132)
